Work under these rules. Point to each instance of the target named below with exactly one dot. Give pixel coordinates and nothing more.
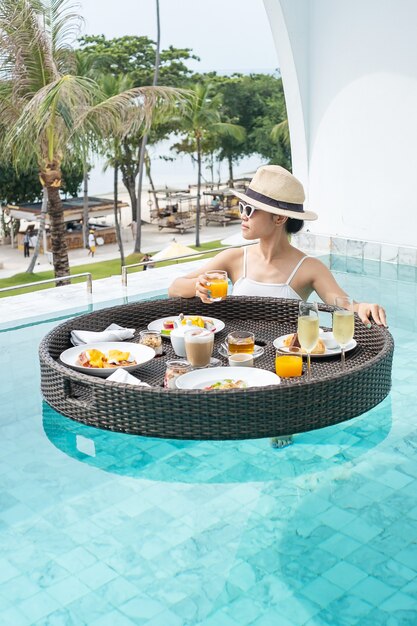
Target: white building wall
(349, 69)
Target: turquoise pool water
(105, 529)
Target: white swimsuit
(245, 286)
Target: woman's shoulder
(230, 254)
(313, 265)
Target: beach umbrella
(173, 250)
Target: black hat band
(276, 204)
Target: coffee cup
(177, 340)
(241, 359)
(198, 346)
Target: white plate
(142, 354)
(252, 376)
(159, 324)
(259, 351)
(326, 337)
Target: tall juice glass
(308, 329)
(343, 323)
(217, 282)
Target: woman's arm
(195, 283)
(325, 285)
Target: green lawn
(102, 269)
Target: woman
(271, 210)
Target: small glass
(199, 344)
(217, 282)
(175, 368)
(152, 339)
(308, 329)
(241, 341)
(343, 324)
(288, 365)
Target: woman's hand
(202, 290)
(368, 311)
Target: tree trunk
(40, 232)
(144, 141)
(130, 186)
(116, 216)
(58, 238)
(85, 204)
(230, 162)
(148, 173)
(197, 217)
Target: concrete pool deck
(14, 310)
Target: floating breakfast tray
(294, 406)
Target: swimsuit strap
(245, 261)
(291, 276)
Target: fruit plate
(158, 325)
(140, 353)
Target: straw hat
(276, 190)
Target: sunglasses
(246, 210)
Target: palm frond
(281, 132)
(230, 130)
(48, 122)
(25, 52)
(129, 111)
(62, 24)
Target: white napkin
(114, 332)
(121, 376)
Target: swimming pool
(105, 529)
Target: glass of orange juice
(217, 282)
(288, 365)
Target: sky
(228, 36)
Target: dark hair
(293, 226)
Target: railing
(177, 258)
(89, 282)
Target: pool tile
(15, 617)
(271, 617)
(361, 531)
(39, 606)
(400, 602)
(68, 590)
(141, 607)
(340, 545)
(372, 590)
(408, 556)
(344, 575)
(7, 571)
(97, 575)
(114, 618)
(322, 591)
(345, 611)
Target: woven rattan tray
(296, 405)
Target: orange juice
(217, 284)
(288, 366)
(218, 288)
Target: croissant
(292, 341)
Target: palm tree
(200, 119)
(47, 110)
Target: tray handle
(78, 394)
